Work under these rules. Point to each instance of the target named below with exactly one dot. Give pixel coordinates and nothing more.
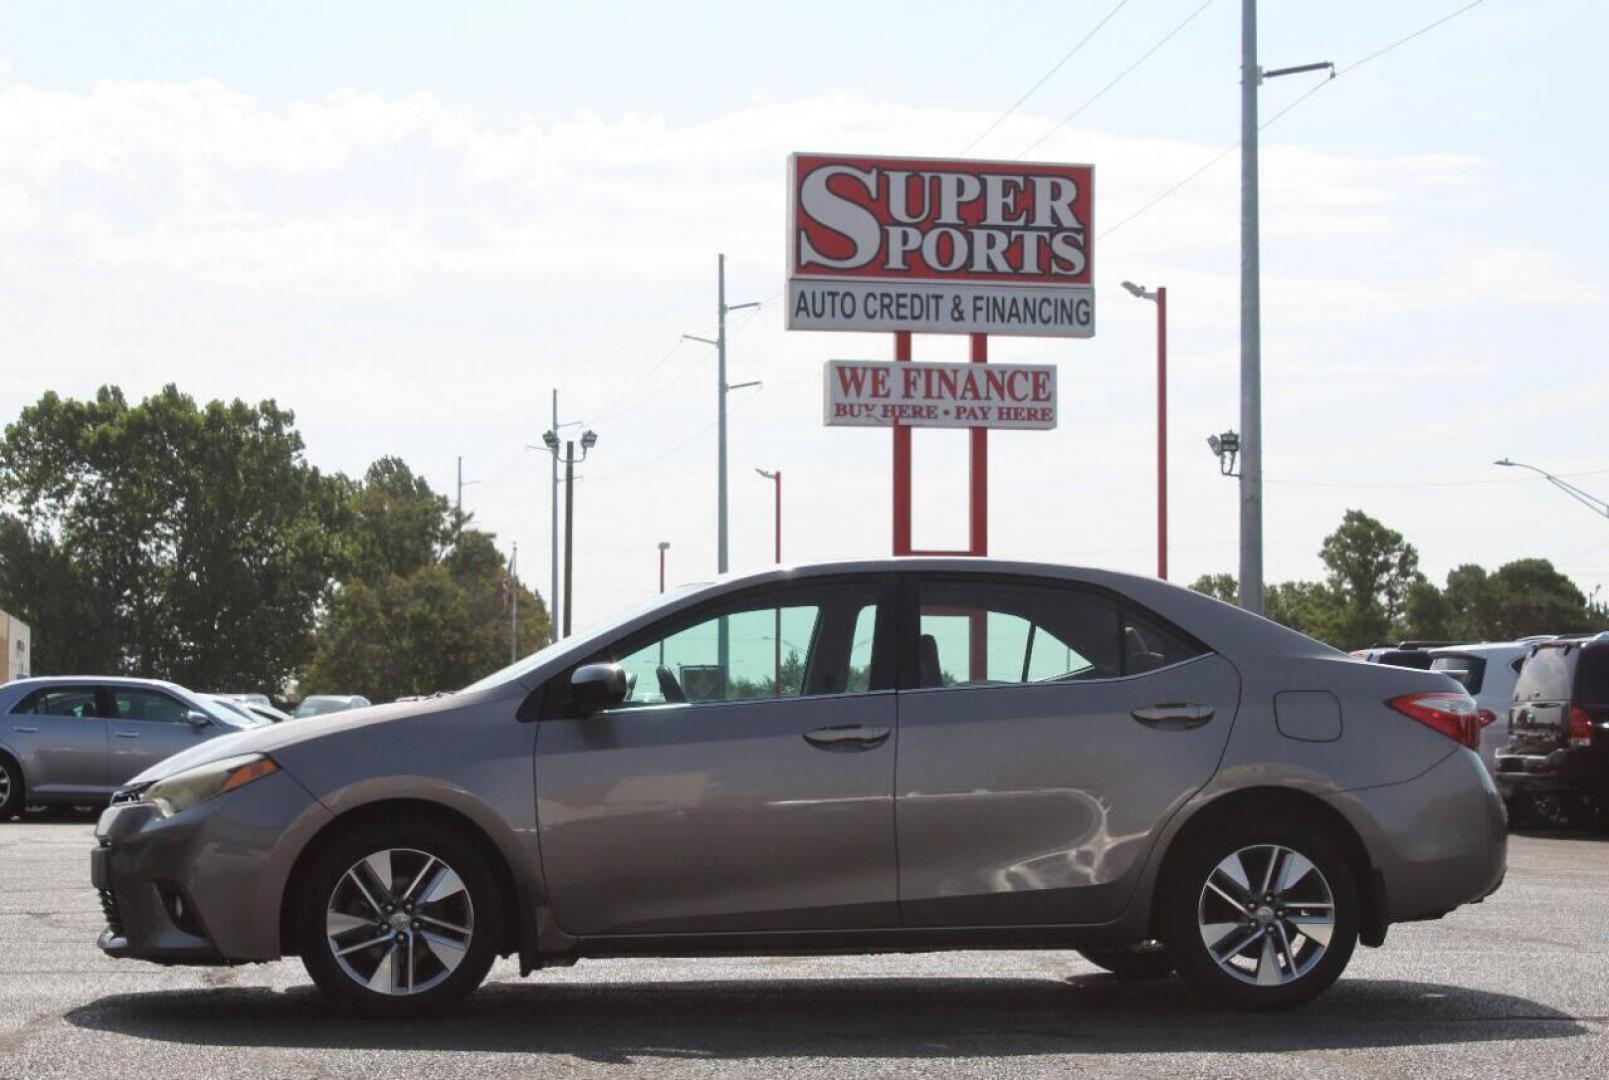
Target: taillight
(1580, 727)
(1487, 717)
(1454, 715)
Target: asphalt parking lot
(1513, 987)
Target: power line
(684, 444)
(1070, 117)
(1412, 484)
(1310, 92)
(1057, 66)
(614, 409)
(992, 38)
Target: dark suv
(1556, 764)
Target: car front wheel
(1262, 916)
(400, 918)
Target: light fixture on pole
(550, 442)
(1160, 298)
(1251, 356)
(1592, 502)
(1226, 447)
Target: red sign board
(935, 246)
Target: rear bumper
(1575, 770)
(204, 886)
(1438, 841)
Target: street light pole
(1160, 298)
(664, 546)
(1591, 502)
(550, 439)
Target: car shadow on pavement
(619, 1022)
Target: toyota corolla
(908, 754)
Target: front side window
(793, 642)
(980, 632)
(148, 705)
(73, 701)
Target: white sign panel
(877, 393)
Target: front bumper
(204, 886)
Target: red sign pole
(902, 462)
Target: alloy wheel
(1266, 915)
(5, 786)
(399, 921)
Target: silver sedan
(76, 739)
(886, 755)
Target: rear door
(1045, 732)
(62, 737)
(146, 727)
(1539, 718)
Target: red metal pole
(1162, 433)
(979, 495)
(902, 463)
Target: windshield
(523, 667)
(233, 714)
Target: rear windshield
(1469, 670)
(1547, 674)
(1592, 688)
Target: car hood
(272, 737)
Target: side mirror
(595, 687)
(197, 719)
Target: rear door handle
(1175, 716)
(847, 737)
(126, 734)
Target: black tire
(15, 793)
(1190, 907)
(479, 905)
(1148, 960)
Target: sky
(411, 222)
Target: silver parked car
(886, 755)
(320, 704)
(76, 739)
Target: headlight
(181, 791)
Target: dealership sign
(932, 246)
(877, 393)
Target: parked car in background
(961, 753)
(1408, 654)
(319, 704)
(251, 710)
(1488, 670)
(1556, 763)
(75, 739)
(248, 699)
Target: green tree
(1218, 586)
(1371, 570)
(164, 539)
(1527, 596)
(422, 604)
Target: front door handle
(26, 730)
(126, 734)
(1175, 716)
(847, 737)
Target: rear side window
(1469, 670)
(1592, 684)
(66, 701)
(977, 632)
(1547, 674)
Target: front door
(146, 727)
(745, 784)
(1050, 730)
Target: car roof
(1485, 649)
(96, 680)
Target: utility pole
(1251, 345)
(553, 587)
(664, 546)
(514, 604)
(722, 388)
(1251, 355)
(458, 504)
(1159, 297)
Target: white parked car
(1488, 670)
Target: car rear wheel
(11, 789)
(399, 919)
(1148, 960)
(1262, 916)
